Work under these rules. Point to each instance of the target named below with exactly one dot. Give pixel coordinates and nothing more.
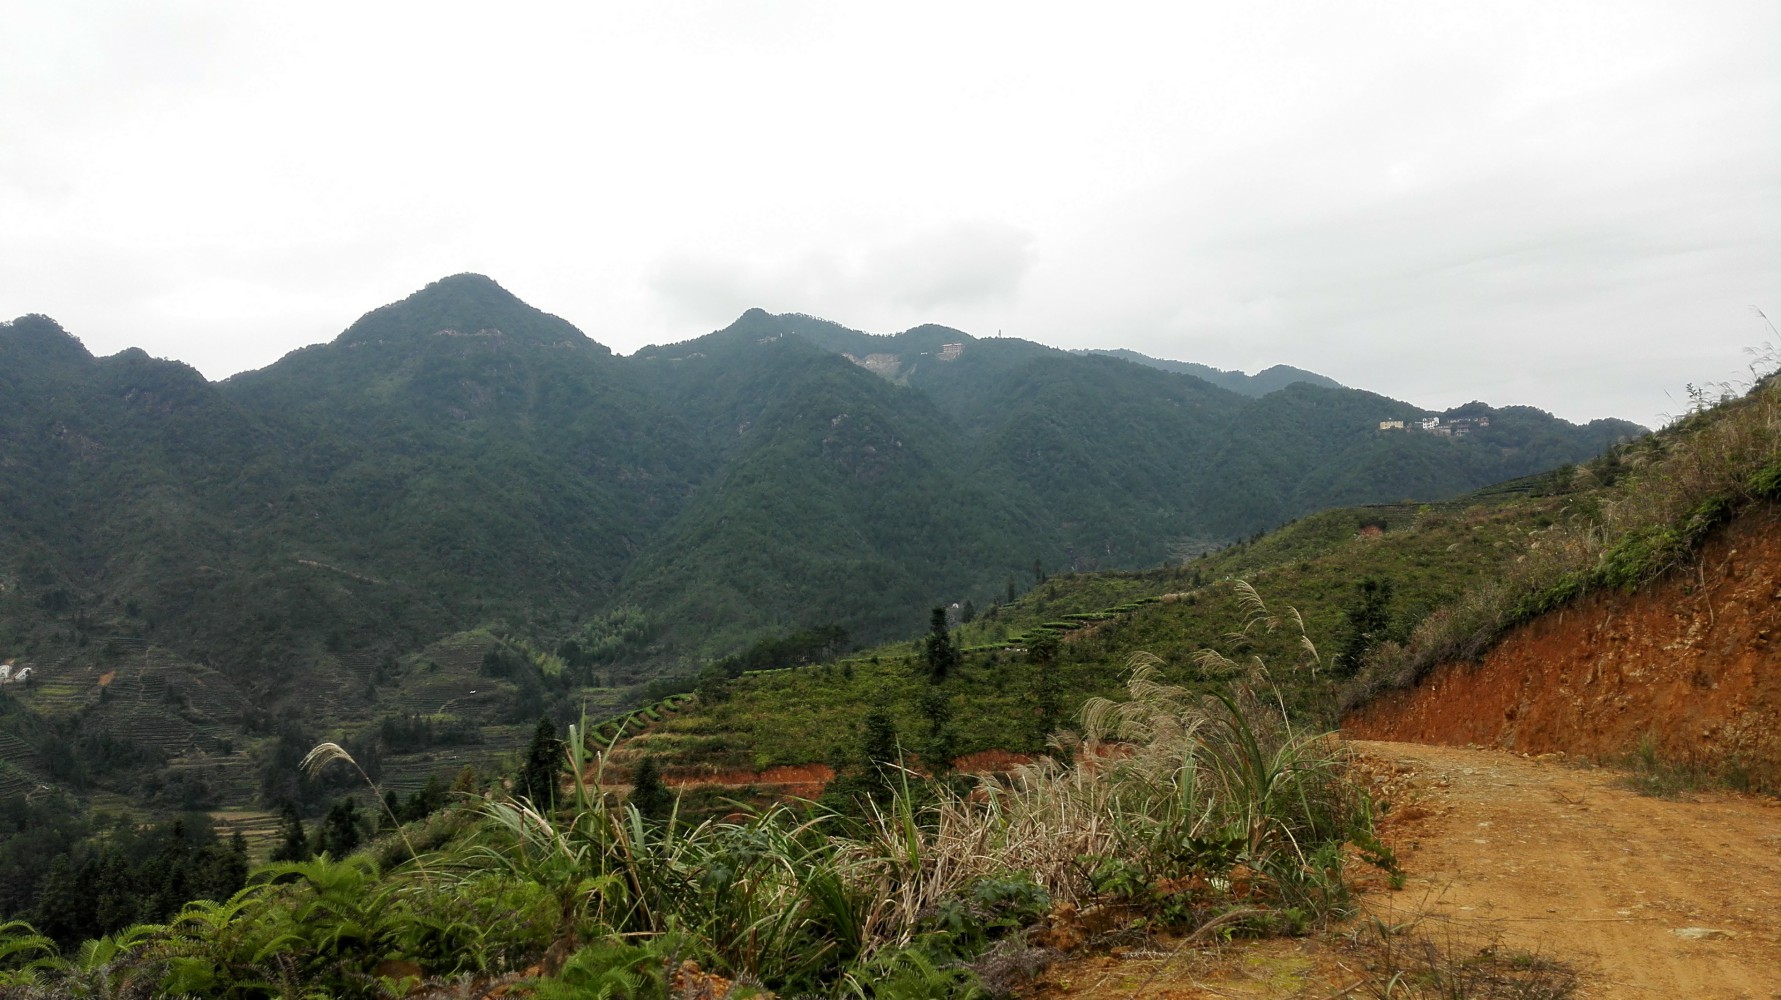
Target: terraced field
(202, 724)
(446, 683)
(261, 830)
(21, 769)
(448, 676)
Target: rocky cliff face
(1691, 662)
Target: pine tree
(941, 654)
(880, 747)
(1368, 622)
(545, 761)
(1048, 698)
(648, 792)
(339, 834)
(294, 843)
(869, 774)
(941, 748)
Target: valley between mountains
(459, 658)
(463, 513)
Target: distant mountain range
(461, 458)
(1260, 384)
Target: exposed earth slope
(1516, 851)
(1688, 669)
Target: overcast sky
(1569, 205)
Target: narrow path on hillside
(1647, 897)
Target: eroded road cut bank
(1690, 665)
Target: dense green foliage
(133, 875)
(532, 549)
(463, 514)
(1221, 817)
(460, 459)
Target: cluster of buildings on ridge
(1455, 427)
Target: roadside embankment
(1689, 667)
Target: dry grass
(1150, 776)
(1166, 787)
(1415, 962)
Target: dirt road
(1648, 897)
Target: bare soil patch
(1652, 897)
(1512, 858)
(800, 781)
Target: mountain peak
(465, 305)
(38, 338)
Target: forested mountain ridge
(461, 459)
(1260, 384)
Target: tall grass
(1179, 809)
(1203, 814)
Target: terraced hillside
(1028, 665)
(174, 734)
(1341, 608)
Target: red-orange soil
(1691, 663)
(1643, 897)
(804, 781)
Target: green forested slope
(1260, 384)
(461, 460)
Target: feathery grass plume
(1212, 800)
(323, 754)
(1257, 615)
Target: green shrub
(1766, 482)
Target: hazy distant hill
(1260, 384)
(460, 458)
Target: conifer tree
(545, 761)
(942, 745)
(339, 834)
(941, 653)
(294, 842)
(1368, 620)
(648, 792)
